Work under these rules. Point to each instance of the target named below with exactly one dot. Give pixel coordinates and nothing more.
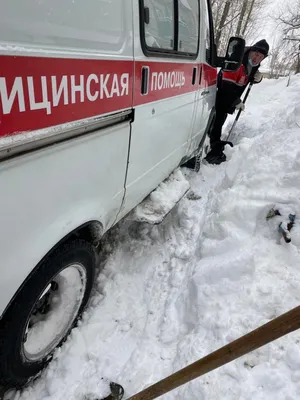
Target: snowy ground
(213, 271)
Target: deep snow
(211, 272)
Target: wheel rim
(54, 312)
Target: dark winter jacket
(231, 85)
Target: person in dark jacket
(231, 86)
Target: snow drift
(212, 271)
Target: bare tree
(290, 25)
(291, 19)
(242, 17)
(235, 17)
(223, 20)
(248, 17)
(279, 65)
(254, 18)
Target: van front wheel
(44, 311)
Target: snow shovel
(275, 329)
(239, 113)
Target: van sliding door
(166, 48)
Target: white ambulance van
(100, 101)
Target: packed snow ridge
(214, 270)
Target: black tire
(15, 369)
(195, 162)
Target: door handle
(145, 80)
(205, 92)
(195, 70)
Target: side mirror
(234, 55)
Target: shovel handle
(278, 327)
(240, 111)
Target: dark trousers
(215, 135)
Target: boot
(216, 155)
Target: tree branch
(232, 19)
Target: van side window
(170, 28)
(188, 19)
(208, 33)
(159, 31)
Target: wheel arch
(185, 160)
(90, 231)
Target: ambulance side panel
(91, 119)
(60, 51)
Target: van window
(170, 28)
(188, 19)
(65, 25)
(159, 31)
